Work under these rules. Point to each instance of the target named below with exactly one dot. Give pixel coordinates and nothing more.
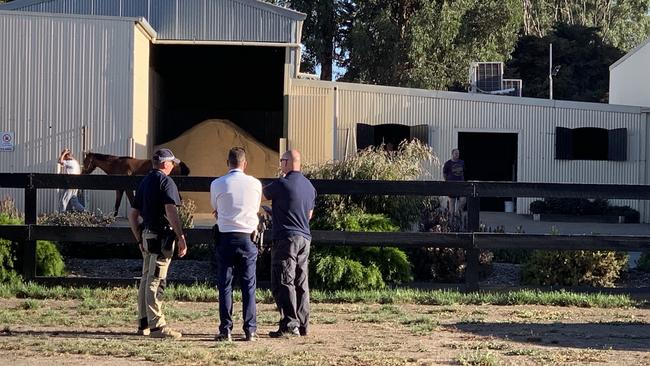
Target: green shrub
(334, 272)
(375, 163)
(573, 268)
(8, 216)
(49, 261)
(359, 268)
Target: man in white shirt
(236, 199)
(68, 197)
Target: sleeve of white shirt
(213, 194)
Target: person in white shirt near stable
(68, 199)
(236, 199)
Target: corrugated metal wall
(142, 130)
(447, 113)
(310, 128)
(224, 20)
(59, 74)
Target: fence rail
(473, 241)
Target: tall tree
(429, 43)
(580, 53)
(622, 23)
(322, 32)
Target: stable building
(124, 76)
(121, 77)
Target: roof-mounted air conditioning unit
(485, 77)
(514, 85)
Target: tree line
(430, 43)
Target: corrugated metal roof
(146, 27)
(230, 20)
(500, 99)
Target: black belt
(236, 234)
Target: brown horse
(124, 165)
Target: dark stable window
(591, 143)
(391, 135)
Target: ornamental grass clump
(367, 268)
(375, 163)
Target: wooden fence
(473, 241)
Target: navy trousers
(236, 252)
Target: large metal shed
(501, 138)
(171, 64)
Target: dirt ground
(46, 332)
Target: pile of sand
(204, 148)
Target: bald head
(290, 161)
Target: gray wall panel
(61, 73)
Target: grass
(207, 293)
(479, 358)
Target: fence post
(29, 246)
(472, 255)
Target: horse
(124, 165)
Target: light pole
(552, 71)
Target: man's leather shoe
(223, 337)
(251, 337)
(285, 333)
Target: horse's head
(89, 164)
(181, 169)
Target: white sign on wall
(7, 141)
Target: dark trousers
(290, 280)
(236, 252)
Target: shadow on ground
(630, 336)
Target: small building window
(391, 135)
(590, 143)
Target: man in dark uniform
(156, 201)
(293, 199)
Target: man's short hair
(236, 156)
(454, 149)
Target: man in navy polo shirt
(293, 199)
(156, 201)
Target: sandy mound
(204, 148)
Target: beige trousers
(152, 286)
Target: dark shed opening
(193, 83)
